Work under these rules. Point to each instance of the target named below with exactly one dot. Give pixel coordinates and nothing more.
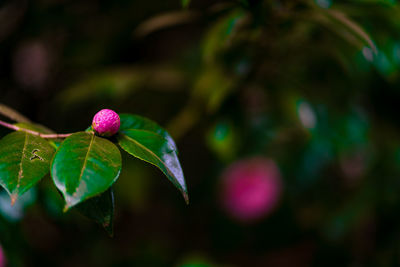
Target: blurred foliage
(314, 85)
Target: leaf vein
(20, 173)
(85, 161)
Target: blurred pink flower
(32, 64)
(251, 188)
(2, 258)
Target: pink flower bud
(106, 122)
(251, 188)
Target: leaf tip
(109, 231)
(13, 198)
(108, 227)
(186, 197)
(66, 208)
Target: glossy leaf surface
(100, 209)
(130, 121)
(40, 129)
(84, 166)
(155, 149)
(24, 160)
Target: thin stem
(49, 136)
(12, 114)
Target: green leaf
(352, 27)
(155, 149)
(40, 129)
(84, 166)
(115, 83)
(17, 211)
(89, 129)
(185, 3)
(130, 121)
(339, 23)
(24, 160)
(100, 209)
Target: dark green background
(229, 80)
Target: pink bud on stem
(106, 122)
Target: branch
(49, 136)
(12, 114)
